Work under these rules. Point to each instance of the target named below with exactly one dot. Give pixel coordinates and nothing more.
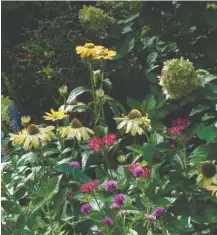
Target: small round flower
(90, 186)
(99, 93)
(147, 172)
(75, 130)
(95, 144)
(158, 211)
(138, 171)
(151, 217)
(208, 174)
(122, 159)
(115, 207)
(29, 54)
(25, 120)
(134, 123)
(109, 139)
(55, 115)
(111, 185)
(107, 221)
(75, 164)
(119, 199)
(63, 90)
(86, 208)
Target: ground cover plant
(93, 165)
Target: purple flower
(111, 185)
(115, 207)
(138, 171)
(119, 199)
(97, 231)
(86, 208)
(158, 211)
(75, 164)
(151, 217)
(107, 221)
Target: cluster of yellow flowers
(91, 51)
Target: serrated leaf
(152, 58)
(76, 92)
(156, 139)
(199, 154)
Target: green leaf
(51, 152)
(76, 92)
(116, 107)
(148, 154)
(207, 133)
(136, 148)
(28, 158)
(209, 78)
(78, 174)
(151, 102)
(157, 125)
(108, 83)
(131, 18)
(133, 103)
(199, 154)
(97, 76)
(152, 58)
(126, 29)
(156, 139)
(131, 44)
(198, 109)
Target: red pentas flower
(98, 144)
(178, 126)
(30, 54)
(109, 139)
(95, 144)
(90, 186)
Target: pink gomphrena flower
(90, 186)
(75, 164)
(115, 207)
(158, 211)
(151, 217)
(137, 170)
(107, 221)
(109, 139)
(86, 208)
(95, 144)
(111, 185)
(119, 199)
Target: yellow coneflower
(105, 54)
(32, 136)
(25, 120)
(55, 115)
(63, 90)
(68, 108)
(89, 50)
(213, 189)
(75, 130)
(134, 123)
(208, 174)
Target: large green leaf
(148, 154)
(68, 170)
(76, 92)
(199, 154)
(199, 108)
(133, 103)
(207, 133)
(28, 158)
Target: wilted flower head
(114, 207)
(107, 221)
(111, 185)
(119, 199)
(158, 211)
(178, 78)
(134, 123)
(75, 164)
(90, 186)
(86, 208)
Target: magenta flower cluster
(157, 212)
(86, 208)
(111, 185)
(75, 164)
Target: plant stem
(93, 94)
(164, 230)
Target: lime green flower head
(178, 78)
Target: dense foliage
(90, 159)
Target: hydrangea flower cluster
(137, 170)
(98, 145)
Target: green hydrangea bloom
(178, 78)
